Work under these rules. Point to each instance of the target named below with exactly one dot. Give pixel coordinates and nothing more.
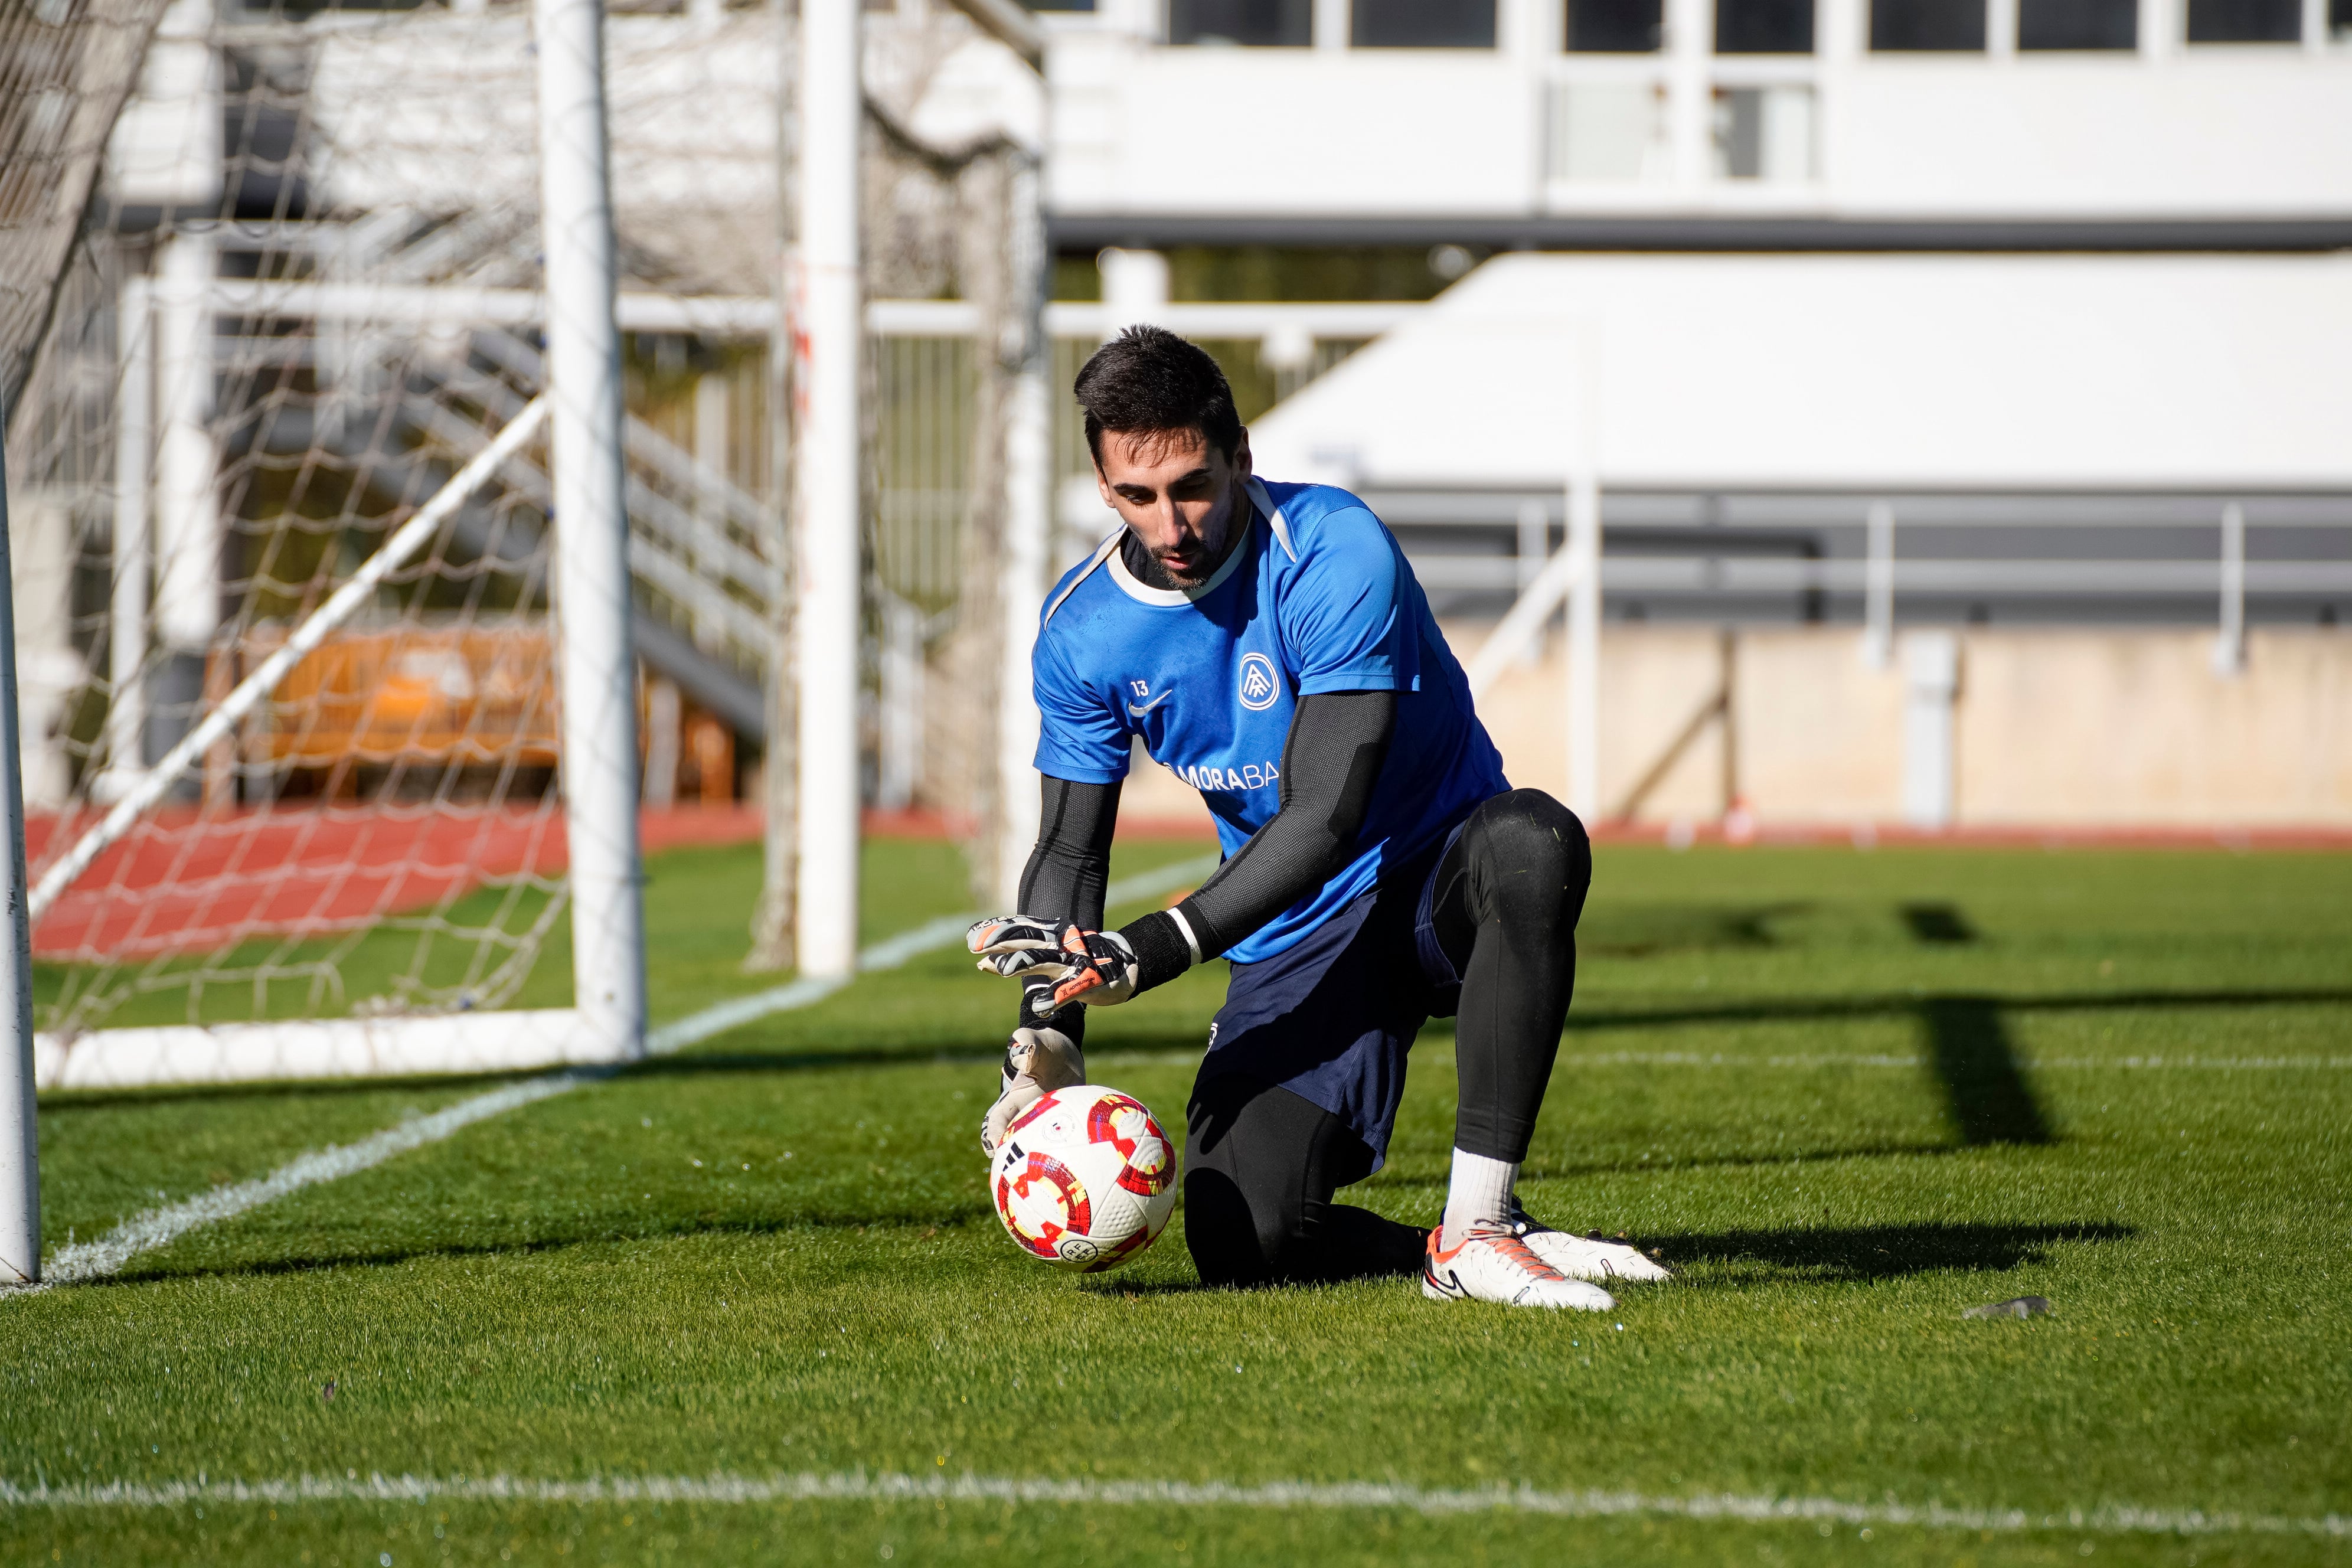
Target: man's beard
(1148, 569)
(1152, 571)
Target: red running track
(190, 882)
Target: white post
(1878, 588)
(20, 1175)
(1535, 549)
(899, 769)
(1134, 290)
(2229, 646)
(1583, 548)
(1931, 670)
(829, 340)
(1535, 541)
(1838, 27)
(1584, 645)
(1028, 524)
(134, 439)
(664, 722)
(187, 526)
(592, 527)
(1690, 93)
(187, 536)
(2000, 29)
(713, 416)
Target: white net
(306, 292)
(306, 298)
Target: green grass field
(1850, 1094)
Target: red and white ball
(1085, 1178)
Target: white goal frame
(582, 408)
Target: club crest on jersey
(1259, 685)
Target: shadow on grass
(1827, 1009)
(1938, 923)
(962, 1049)
(1985, 1093)
(1880, 1251)
(1538, 1171)
(1643, 933)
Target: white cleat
(1496, 1266)
(1586, 1256)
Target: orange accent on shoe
(1507, 1242)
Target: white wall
(2230, 131)
(1905, 373)
(1331, 131)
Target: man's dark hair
(1147, 380)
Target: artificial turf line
(2029, 1063)
(1322, 1496)
(720, 1017)
(143, 1232)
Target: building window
(1270, 22)
(1608, 132)
(1623, 26)
(1764, 133)
(1764, 27)
(2078, 24)
(2246, 21)
(1424, 24)
(1927, 25)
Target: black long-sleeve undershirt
(1331, 761)
(1066, 874)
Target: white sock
(1478, 1193)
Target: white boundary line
(1336, 1497)
(945, 931)
(1439, 1055)
(144, 1232)
(2025, 1064)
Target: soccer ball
(1085, 1178)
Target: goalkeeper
(1269, 643)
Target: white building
(1686, 124)
(1647, 133)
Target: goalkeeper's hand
(1037, 1063)
(1096, 967)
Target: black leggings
(1509, 895)
(1261, 1163)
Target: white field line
(945, 931)
(1436, 1056)
(1334, 1497)
(144, 1232)
(2186, 1062)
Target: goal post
(328, 585)
(338, 547)
(20, 1173)
(583, 377)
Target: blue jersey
(1316, 597)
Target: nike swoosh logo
(1147, 707)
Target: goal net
(290, 597)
